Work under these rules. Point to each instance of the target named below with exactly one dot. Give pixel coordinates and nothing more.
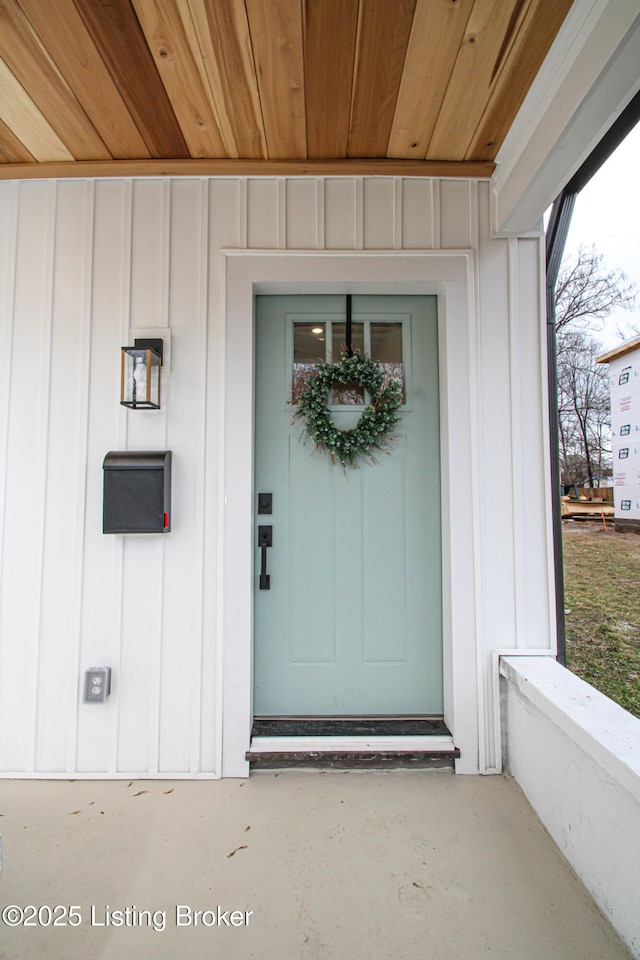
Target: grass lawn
(602, 600)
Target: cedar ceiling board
(329, 41)
(31, 64)
(521, 66)
(471, 81)
(276, 38)
(12, 150)
(223, 32)
(120, 40)
(200, 47)
(70, 46)
(436, 35)
(22, 116)
(383, 35)
(175, 59)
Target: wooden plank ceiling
(119, 87)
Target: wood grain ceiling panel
(223, 34)
(20, 113)
(276, 39)
(180, 66)
(265, 87)
(381, 45)
(436, 35)
(121, 42)
(519, 67)
(12, 150)
(472, 78)
(63, 33)
(33, 67)
(330, 28)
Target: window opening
(556, 237)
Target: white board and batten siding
(82, 263)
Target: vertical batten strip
(143, 556)
(9, 206)
(434, 215)
(155, 698)
(9, 229)
(125, 310)
(436, 230)
(81, 482)
(359, 213)
(487, 763)
(478, 492)
(42, 470)
(223, 233)
(243, 213)
(474, 226)
(282, 214)
(320, 208)
(398, 183)
(515, 364)
(125, 326)
(218, 370)
(195, 739)
(166, 255)
(546, 450)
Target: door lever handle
(265, 540)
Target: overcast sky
(607, 215)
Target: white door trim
(450, 275)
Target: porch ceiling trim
(476, 169)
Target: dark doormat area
(349, 727)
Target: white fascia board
(587, 79)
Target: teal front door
(352, 621)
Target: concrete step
(351, 759)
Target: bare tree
(586, 293)
(583, 409)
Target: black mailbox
(137, 492)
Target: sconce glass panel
(140, 387)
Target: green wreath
(378, 418)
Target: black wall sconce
(140, 374)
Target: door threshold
(350, 726)
(353, 744)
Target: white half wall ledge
(605, 731)
(576, 755)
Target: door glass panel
(347, 393)
(386, 348)
(309, 348)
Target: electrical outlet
(97, 684)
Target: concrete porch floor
(397, 865)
